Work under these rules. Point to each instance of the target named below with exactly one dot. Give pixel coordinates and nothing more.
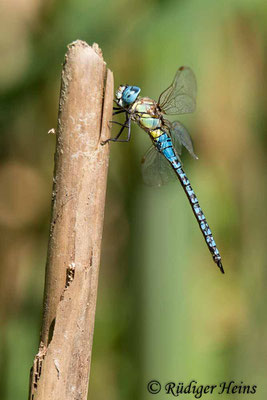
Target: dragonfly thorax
(145, 105)
(146, 114)
(127, 95)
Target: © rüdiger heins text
(198, 390)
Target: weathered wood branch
(61, 367)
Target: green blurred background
(164, 310)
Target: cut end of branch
(97, 49)
(81, 44)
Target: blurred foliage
(164, 311)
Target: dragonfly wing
(180, 96)
(180, 137)
(156, 170)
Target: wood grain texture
(61, 367)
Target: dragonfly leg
(127, 124)
(119, 123)
(117, 112)
(129, 133)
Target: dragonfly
(162, 162)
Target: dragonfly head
(126, 95)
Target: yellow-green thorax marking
(145, 112)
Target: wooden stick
(61, 367)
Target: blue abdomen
(165, 146)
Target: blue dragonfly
(162, 160)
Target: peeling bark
(61, 367)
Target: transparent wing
(180, 97)
(180, 137)
(156, 170)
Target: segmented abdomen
(164, 145)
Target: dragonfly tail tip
(219, 263)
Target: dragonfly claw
(104, 142)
